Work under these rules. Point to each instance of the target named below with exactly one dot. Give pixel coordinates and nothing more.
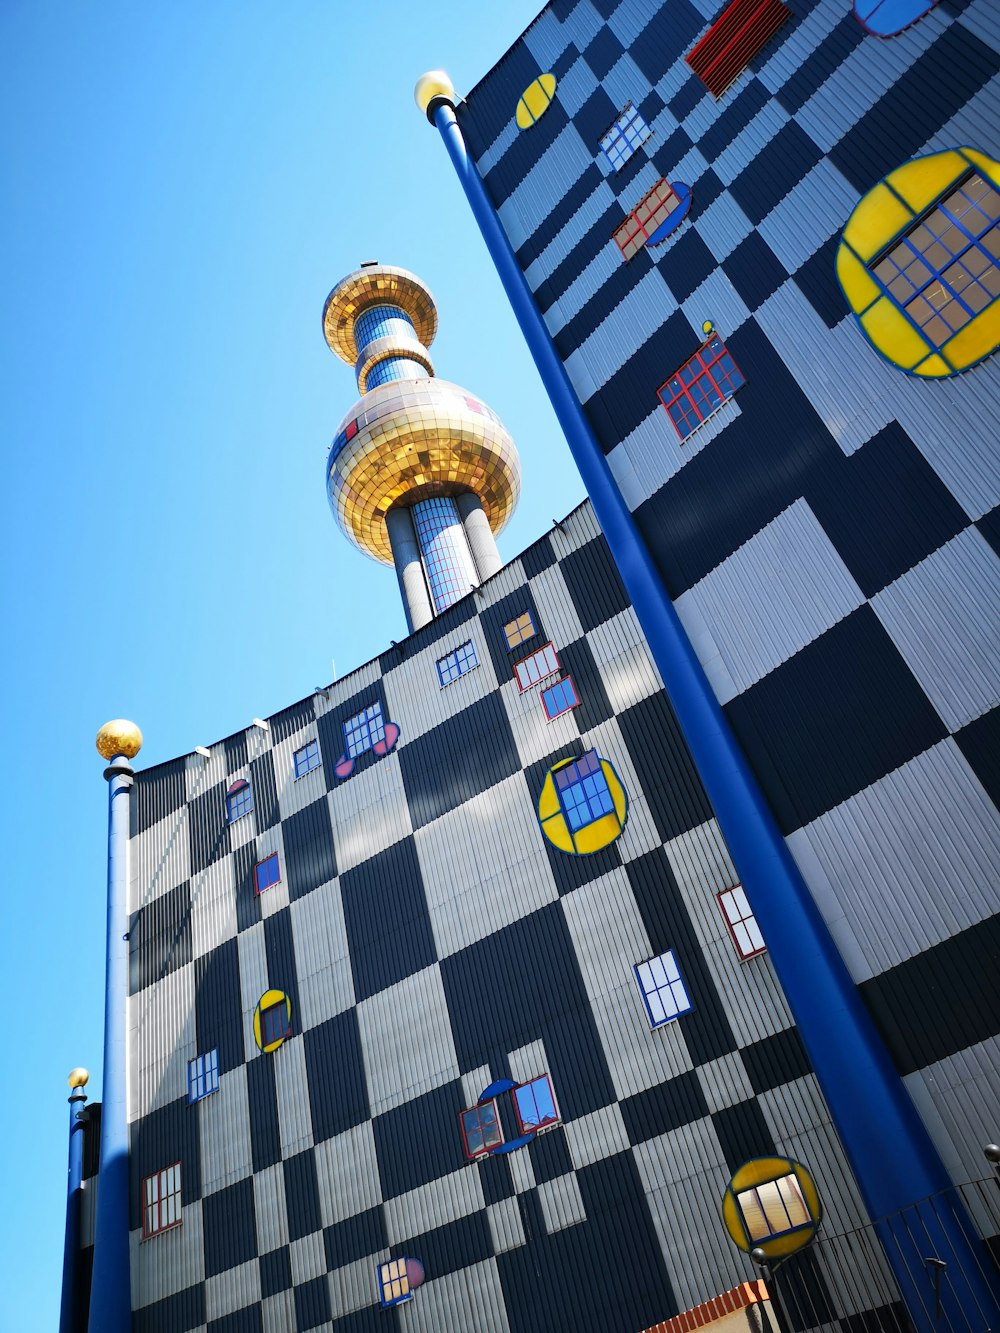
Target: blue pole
(886, 1142)
(110, 1292)
(72, 1317)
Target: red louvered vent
(733, 40)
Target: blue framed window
(267, 873)
(583, 791)
(518, 630)
(560, 698)
(946, 270)
(398, 1279)
(361, 732)
(663, 989)
(622, 138)
(306, 759)
(480, 1129)
(457, 663)
(535, 1105)
(203, 1076)
(275, 1025)
(239, 800)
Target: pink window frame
(262, 862)
(484, 1151)
(729, 924)
(169, 1226)
(523, 689)
(549, 1124)
(705, 373)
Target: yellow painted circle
(592, 837)
(534, 101)
(778, 1223)
(887, 212)
(269, 998)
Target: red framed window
(652, 210)
(267, 873)
(700, 387)
(560, 698)
(541, 664)
(480, 1129)
(741, 922)
(535, 1105)
(161, 1201)
(743, 27)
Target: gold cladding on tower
(119, 737)
(380, 284)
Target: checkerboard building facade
(830, 539)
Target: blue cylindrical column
(72, 1317)
(110, 1293)
(886, 1142)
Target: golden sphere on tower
(119, 737)
(78, 1078)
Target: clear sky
(182, 184)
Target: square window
(517, 631)
(267, 873)
(203, 1076)
(275, 1024)
(535, 1105)
(457, 663)
(394, 1284)
(239, 800)
(773, 1209)
(531, 670)
(306, 759)
(741, 922)
(361, 732)
(480, 1129)
(624, 136)
(560, 698)
(161, 1201)
(700, 387)
(583, 791)
(663, 989)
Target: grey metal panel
(654, 452)
(506, 1227)
(559, 168)
(472, 1298)
(724, 1081)
(561, 1203)
(347, 1168)
(646, 307)
(809, 214)
(164, 1041)
(169, 1263)
(546, 39)
(308, 1257)
(576, 85)
(944, 617)
(728, 308)
(407, 1040)
(278, 1312)
(269, 1208)
(224, 1133)
(353, 1286)
(625, 82)
(435, 1204)
(723, 225)
(565, 240)
(738, 155)
(983, 18)
(369, 813)
(326, 984)
(231, 1290)
(593, 1137)
(292, 1088)
(964, 1092)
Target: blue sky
(183, 184)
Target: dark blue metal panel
(167, 1135)
(430, 1121)
(577, 661)
(160, 937)
(262, 1099)
(265, 795)
(385, 913)
(208, 829)
(669, 778)
(775, 1060)
(179, 1313)
(275, 1272)
(754, 270)
(774, 171)
(282, 973)
(664, 1107)
(248, 911)
(338, 1094)
(302, 1195)
(219, 1006)
(734, 115)
(816, 279)
(743, 1133)
(230, 1227)
(817, 67)
(249, 1320)
(980, 743)
(156, 794)
(312, 1304)
(354, 1238)
(594, 584)
(236, 752)
(309, 851)
(456, 1245)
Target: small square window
(457, 663)
(481, 1129)
(203, 1076)
(663, 989)
(535, 1105)
(560, 698)
(517, 631)
(531, 670)
(161, 1201)
(267, 873)
(362, 731)
(275, 1024)
(773, 1209)
(394, 1284)
(306, 759)
(624, 136)
(239, 800)
(741, 922)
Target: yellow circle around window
(772, 1204)
(535, 101)
(270, 1000)
(592, 836)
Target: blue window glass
(481, 1129)
(361, 732)
(457, 663)
(620, 141)
(885, 18)
(382, 321)
(275, 1024)
(559, 698)
(663, 989)
(583, 791)
(535, 1105)
(946, 270)
(267, 872)
(203, 1076)
(444, 548)
(239, 800)
(306, 759)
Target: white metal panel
(165, 1040)
(355, 1285)
(561, 1203)
(471, 1298)
(566, 239)
(625, 82)
(223, 1118)
(553, 175)
(715, 298)
(435, 1204)
(322, 957)
(591, 1138)
(231, 1290)
(308, 1258)
(809, 214)
(269, 1208)
(645, 309)
(722, 225)
(546, 39)
(292, 1088)
(170, 1262)
(347, 1170)
(506, 1227)
(738, 155)
(369, 813)
(406, 1040)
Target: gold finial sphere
(119, 737)
(435, 83)
(78, 1078)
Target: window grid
(624, 136)
(445, 550)
(651, 212)
(700, 387)
(663, 989)
(481, 1129)
(239, 800)
(267, 873)
(457, 663)
(946, 269)
(363, 730)
(535, 1105)
(161, 1201)
(583, 791)
(203, 1076)
(741, 922)
(274, 1023)
(773, 1208)
(394, 1282)
(306, 759)
(560, 698)
(534, 669)
(517, 631)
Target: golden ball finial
(78, 1078)
(435, 83)
(119, 737)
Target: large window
(306, 759)
(624, 136)
(457, 663)
(743, 27)
(361, 732)
(741, 922)
(516, 631)
(161, 1201)
(700, 387)
(946, 269)
(267, 873)
(239, 800)
(560, 698)
(656, 216)
(481, 1129)
(583, 791)
(535, 1105)
(203, 1076)
(534, 669)
(663, 989)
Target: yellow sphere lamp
(78, 1078)
(119, 737)
(432, 87)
